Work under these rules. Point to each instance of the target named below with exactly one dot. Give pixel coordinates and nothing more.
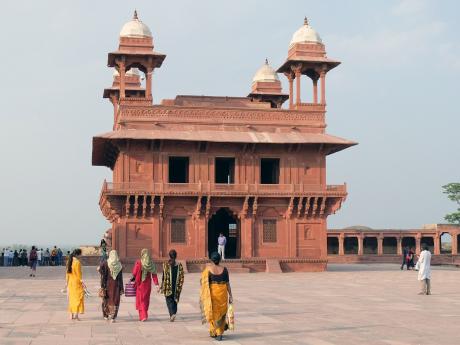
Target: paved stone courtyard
(349, 304)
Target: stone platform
(349, 304)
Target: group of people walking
(215, 292)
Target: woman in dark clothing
(111, 285)
(171, 283)
(24, 258)
(16, 258)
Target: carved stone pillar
(418, 240)
(454, 243)
(315, 91)
(360, 244)
(399, 249)
(323, 87)
(437, 249)
(122, 72)
(297, 84)
(341, 240)
(148, 83)
(380, 244)
(290, 79)
(247, 237)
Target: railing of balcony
(206, 188)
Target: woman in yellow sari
(75, 285)
(215, 296)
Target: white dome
(306, 34)
(265, 73)
(135, 28)
(131, 72)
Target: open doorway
(223, 222)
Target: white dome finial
(265, 73)
(305, 34)
(135, 28)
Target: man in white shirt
(39, 257)
(424, 271)
(221, 242)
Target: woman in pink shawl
(143, 273)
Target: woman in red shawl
(143, 273)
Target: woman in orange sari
(214, 296)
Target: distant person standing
(103, 250)
(33, 258)
(59, 257)
(46, 257)
(24, 261)
(2, 258)
(39, 257)
(16, 258)
(10, 257)
(404, 257)
(221, 242)
(424, 272)
(54, 256)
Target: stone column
(454, 243)
(291, 90)
(148, 83)
(315, 91)
(418, 240)
(399, 249)
(156, 229)
(122, 72)
(380, 245)
(297, 81)
(341, 240)
(323, 87)
(246, 237)
(437, 249)
(360, 244)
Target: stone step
(238, 270)
(273, 266)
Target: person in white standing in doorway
(221, 242)
(424, 272)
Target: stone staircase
(235, 266)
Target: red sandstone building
(193, 166)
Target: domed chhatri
(265, 73)
(135, 28)
(306, 34)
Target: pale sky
(395, 93)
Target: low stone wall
(286, 264)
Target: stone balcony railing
(220, 189)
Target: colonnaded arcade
(193, 166)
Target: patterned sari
(214, 301)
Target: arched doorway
(224, 222)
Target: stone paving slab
(349, 304)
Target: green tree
(453, 193)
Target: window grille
(269, 230)
(178, 231)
